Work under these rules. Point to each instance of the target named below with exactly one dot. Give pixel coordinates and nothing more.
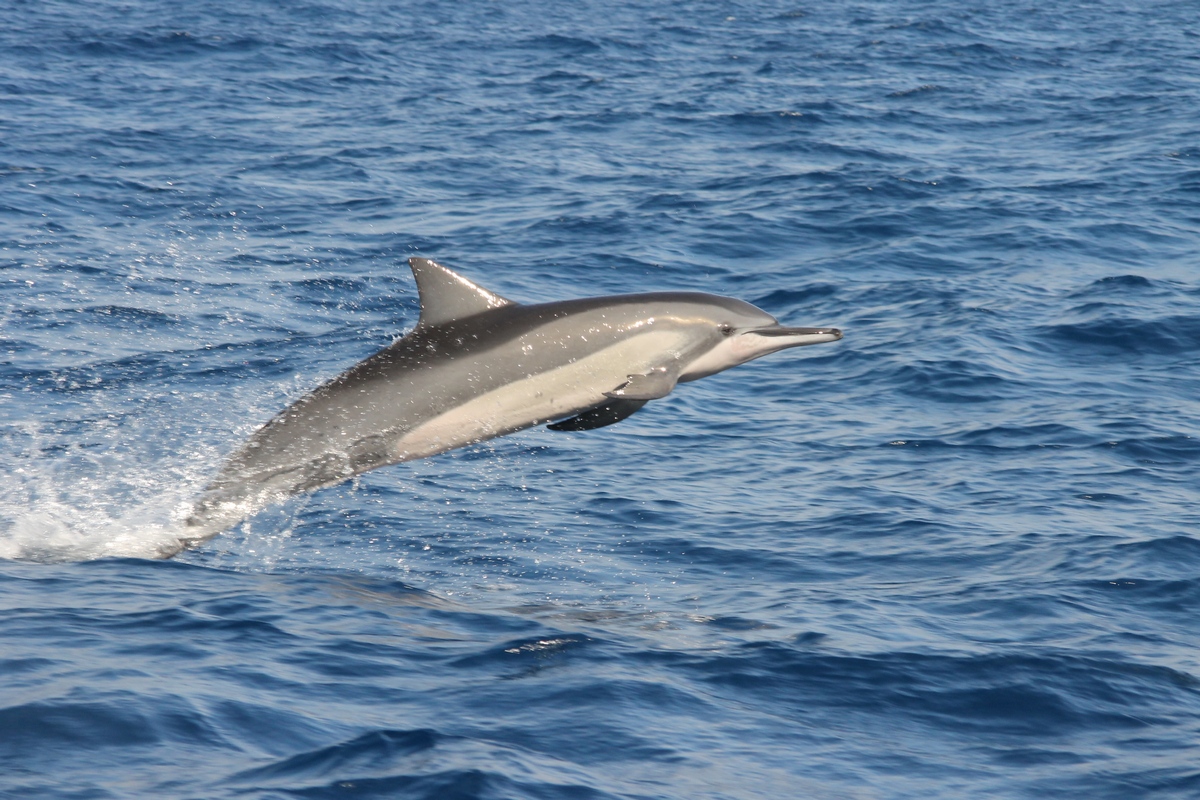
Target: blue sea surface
(955, 555)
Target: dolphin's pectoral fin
(610, 413)
(652, 385)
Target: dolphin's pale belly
(560, 392)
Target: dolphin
(478, 366)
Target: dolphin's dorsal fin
(447, 296)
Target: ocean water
(954, 555)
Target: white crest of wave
(53, 530)
(77, 497)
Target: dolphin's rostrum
(479, 366)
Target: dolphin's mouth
(760, 341)
(781, 331)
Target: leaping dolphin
(478, 366)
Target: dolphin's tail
(213, 512)
(233, 496)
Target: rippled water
(952, 555)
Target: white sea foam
(57, 532)
(44, 520)
(100, 485)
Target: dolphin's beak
(781, 337)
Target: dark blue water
(954, 555)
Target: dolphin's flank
(479, 366)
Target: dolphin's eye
(726, 330)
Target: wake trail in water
(50, 517)
(82, 506)
(56, 533)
